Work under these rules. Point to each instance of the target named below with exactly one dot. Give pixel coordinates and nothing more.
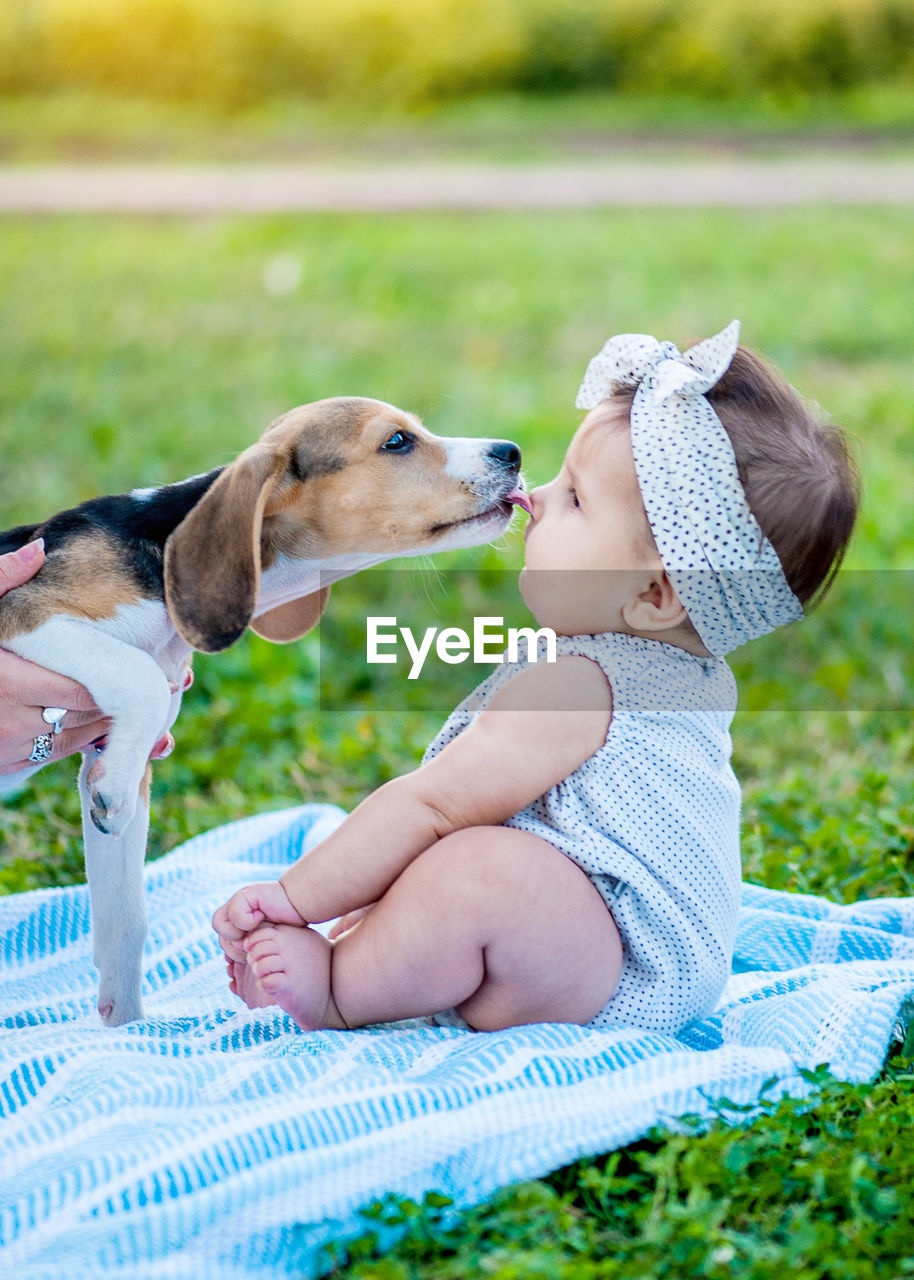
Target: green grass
(72, 125)
(137, 351)
(813, 1193)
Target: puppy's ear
(291, 621)
(212, 559)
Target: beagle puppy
(132, 584)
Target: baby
(568, 850)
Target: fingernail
(31, 551)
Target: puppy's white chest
(146, 625)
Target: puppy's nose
(505, 452)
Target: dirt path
(204, 189)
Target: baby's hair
(798, 472)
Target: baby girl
(568, 850)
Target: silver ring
(54, 716)
(42, 748)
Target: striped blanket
(215, 1141)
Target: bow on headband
(725, 571)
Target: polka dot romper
(653, 819)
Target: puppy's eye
(399, 442)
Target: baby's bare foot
(243, 981)
(292, 967)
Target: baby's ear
(656, 608)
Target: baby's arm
(544, 723)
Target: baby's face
(589, 548)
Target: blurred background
(90, 78)
(139, 349)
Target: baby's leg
(491, 921)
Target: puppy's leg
(127, 685)
(114, 869)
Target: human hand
(248, 908)
(25, 689)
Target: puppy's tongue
(518, 498)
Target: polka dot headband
(725, 571)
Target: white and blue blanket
(215, 1141)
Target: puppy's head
(336, 478)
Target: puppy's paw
(108, 814)
(118, 954)
(111, 803)
(116, 1011)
